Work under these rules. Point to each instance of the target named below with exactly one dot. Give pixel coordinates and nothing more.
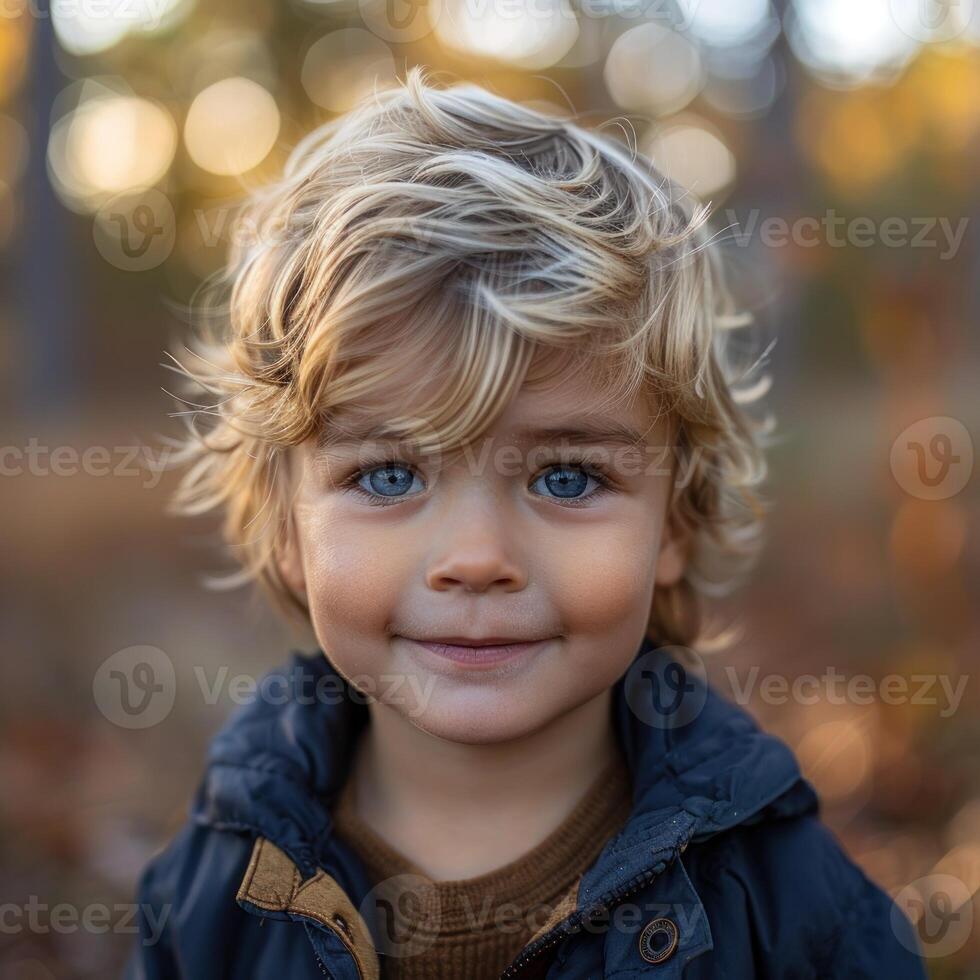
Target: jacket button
(342, 923)
(658, 940)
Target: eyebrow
(584, 431)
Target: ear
(288, 554)
(289, 559)
(672, 560)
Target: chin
(470, 722)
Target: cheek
(604, 577)
(353, 574)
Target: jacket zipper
(320, 964)
(564, 929)
(323, 967)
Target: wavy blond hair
(454, 229)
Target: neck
(444, 805)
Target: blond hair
(453, 228)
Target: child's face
(493, 544)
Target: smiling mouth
(479, 652)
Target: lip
(476, 641)
(479, 652)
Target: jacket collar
(699, 766)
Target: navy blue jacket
(723, 870)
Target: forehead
(579, 411)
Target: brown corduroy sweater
(473, 928)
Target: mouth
(479, 651)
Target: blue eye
(390, 480)
(388, 483)
(566, 482)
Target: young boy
(477, 423)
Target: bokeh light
(726, 22)
(653, 69)
(345, 65)
(845, 43)
(692, 152)
(86, 28)
(836, 756)
(110, 143)
(231, 126)
(531, 35)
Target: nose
(475, 553)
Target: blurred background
(839, 143)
